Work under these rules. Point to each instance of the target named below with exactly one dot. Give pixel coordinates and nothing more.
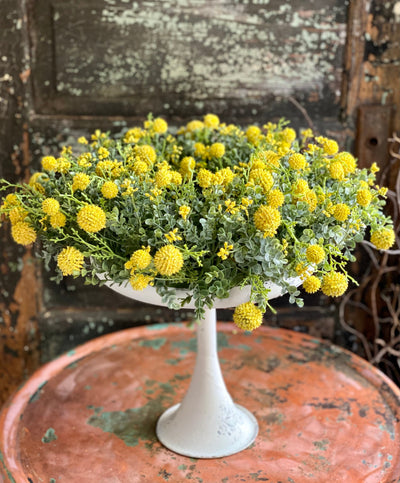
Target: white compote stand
(207, 423)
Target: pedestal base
(236, 432)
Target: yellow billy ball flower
(289, 134)
(176, 178)
(263, 178)
(334, 284)
(140, 281)
(49, 163)
(184, 211)
(364, 197)
(267, 219)
(23, 233)
(109, 190)
(199, 149)
(253, 134)
(211, 121)
(223, 176)
(297, 161)
(247, 316)
(80, 181)
(341, 212)
(311, 199)
(348, 162)
(275, 198)
(58, 220)
(194, 125)
(336, 170)
(168, 260)
(91, 218)
(50, 206)
(217, 150)
(204, 178)
(17, 214)
(187, 166)
(330, 146)
(383, 238)
(145, 153)
(299, 189)
(70, 260)
(140, 259)
(160, 126)
(312, 284)
(315, 254)
(140, 167)
(163, 178)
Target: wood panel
(182, 58)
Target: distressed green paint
(49, 436)
(133, 425)
(37, 393)
(155, 344)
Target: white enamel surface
(237, 295)
(207, 423)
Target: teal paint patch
(163, 326)
(9, 475)
(88, 388)
(71, 353)
(321, 445)
(174, 362)
(49, 436)
(36, 395)
(134, 425)
(52, 480)
(182, 467)
(73, 365)
(185, 346)
(155, 344)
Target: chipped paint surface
(181, 55)
(324, 414)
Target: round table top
(90, 415)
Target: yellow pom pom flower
(23, 233)
(200, 150)
(91, 218)
(194, 125)
(312, 284)
(263, 178)
(253, 134)
(140, 259)
(297, 161)
(334, 284)
(146, 154)
(247, 316)
(315, 254)
(336, 170)
(217, 150)
(267, 220)
(348, 162)
(275, 198)
(223, 177)
(70, 260)
(187, 166)
(49, 163)
(50, 206)
(330, 146)
(311, 199)
(383, 238)
(163, 178)
(299, 189)
(160, 126)
(140, 167)
(140, 282)
(168, 260)
(17, 214)
(58, 220)
(211, 121)
(364, 197)
(80, 182)
(289, 134)
(109, 190)
(341, 212)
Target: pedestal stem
(207, 424)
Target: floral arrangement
(207, 207)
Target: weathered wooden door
(68, 67)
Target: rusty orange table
(325, 415)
